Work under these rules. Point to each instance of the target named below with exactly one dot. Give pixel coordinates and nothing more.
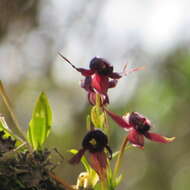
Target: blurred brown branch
(11, 11)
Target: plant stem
(13, 116)
(7, 129)
(103, 185)
(61, 181)
(119, 158)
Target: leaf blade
(40, 124)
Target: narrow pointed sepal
(77, 157)
(115, 75)
(118, 119)
(158, 138)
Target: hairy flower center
(142, 128)
(95, 141)
(139, 123)
(101, 66)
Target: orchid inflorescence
(30, 166)
(98, 79)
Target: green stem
(103, 185)
(7, 129)
(119, 158)
(106, 126)
(13, 116)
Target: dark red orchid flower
(86, 84)
(95, 141)
(138, 127)
(98, 78)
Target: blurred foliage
(11, 11)
(166, 97)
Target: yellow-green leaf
(40, 124)
(97, 117)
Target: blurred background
(154, 34)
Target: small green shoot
(40, 124)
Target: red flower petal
(118, 119)
(92, 98)
(100, 83)
(136, 138)
(98, 162)
(86, 84)
(158, 138)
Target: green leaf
(40, 124)
(8, 133)
(102, 119)
(98, 187)
(114, 182)
(4, 127)
(118, 180)
(97, 117)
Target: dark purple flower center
(139, 123)
(101, 66)
(95, 141)
(142, 128)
